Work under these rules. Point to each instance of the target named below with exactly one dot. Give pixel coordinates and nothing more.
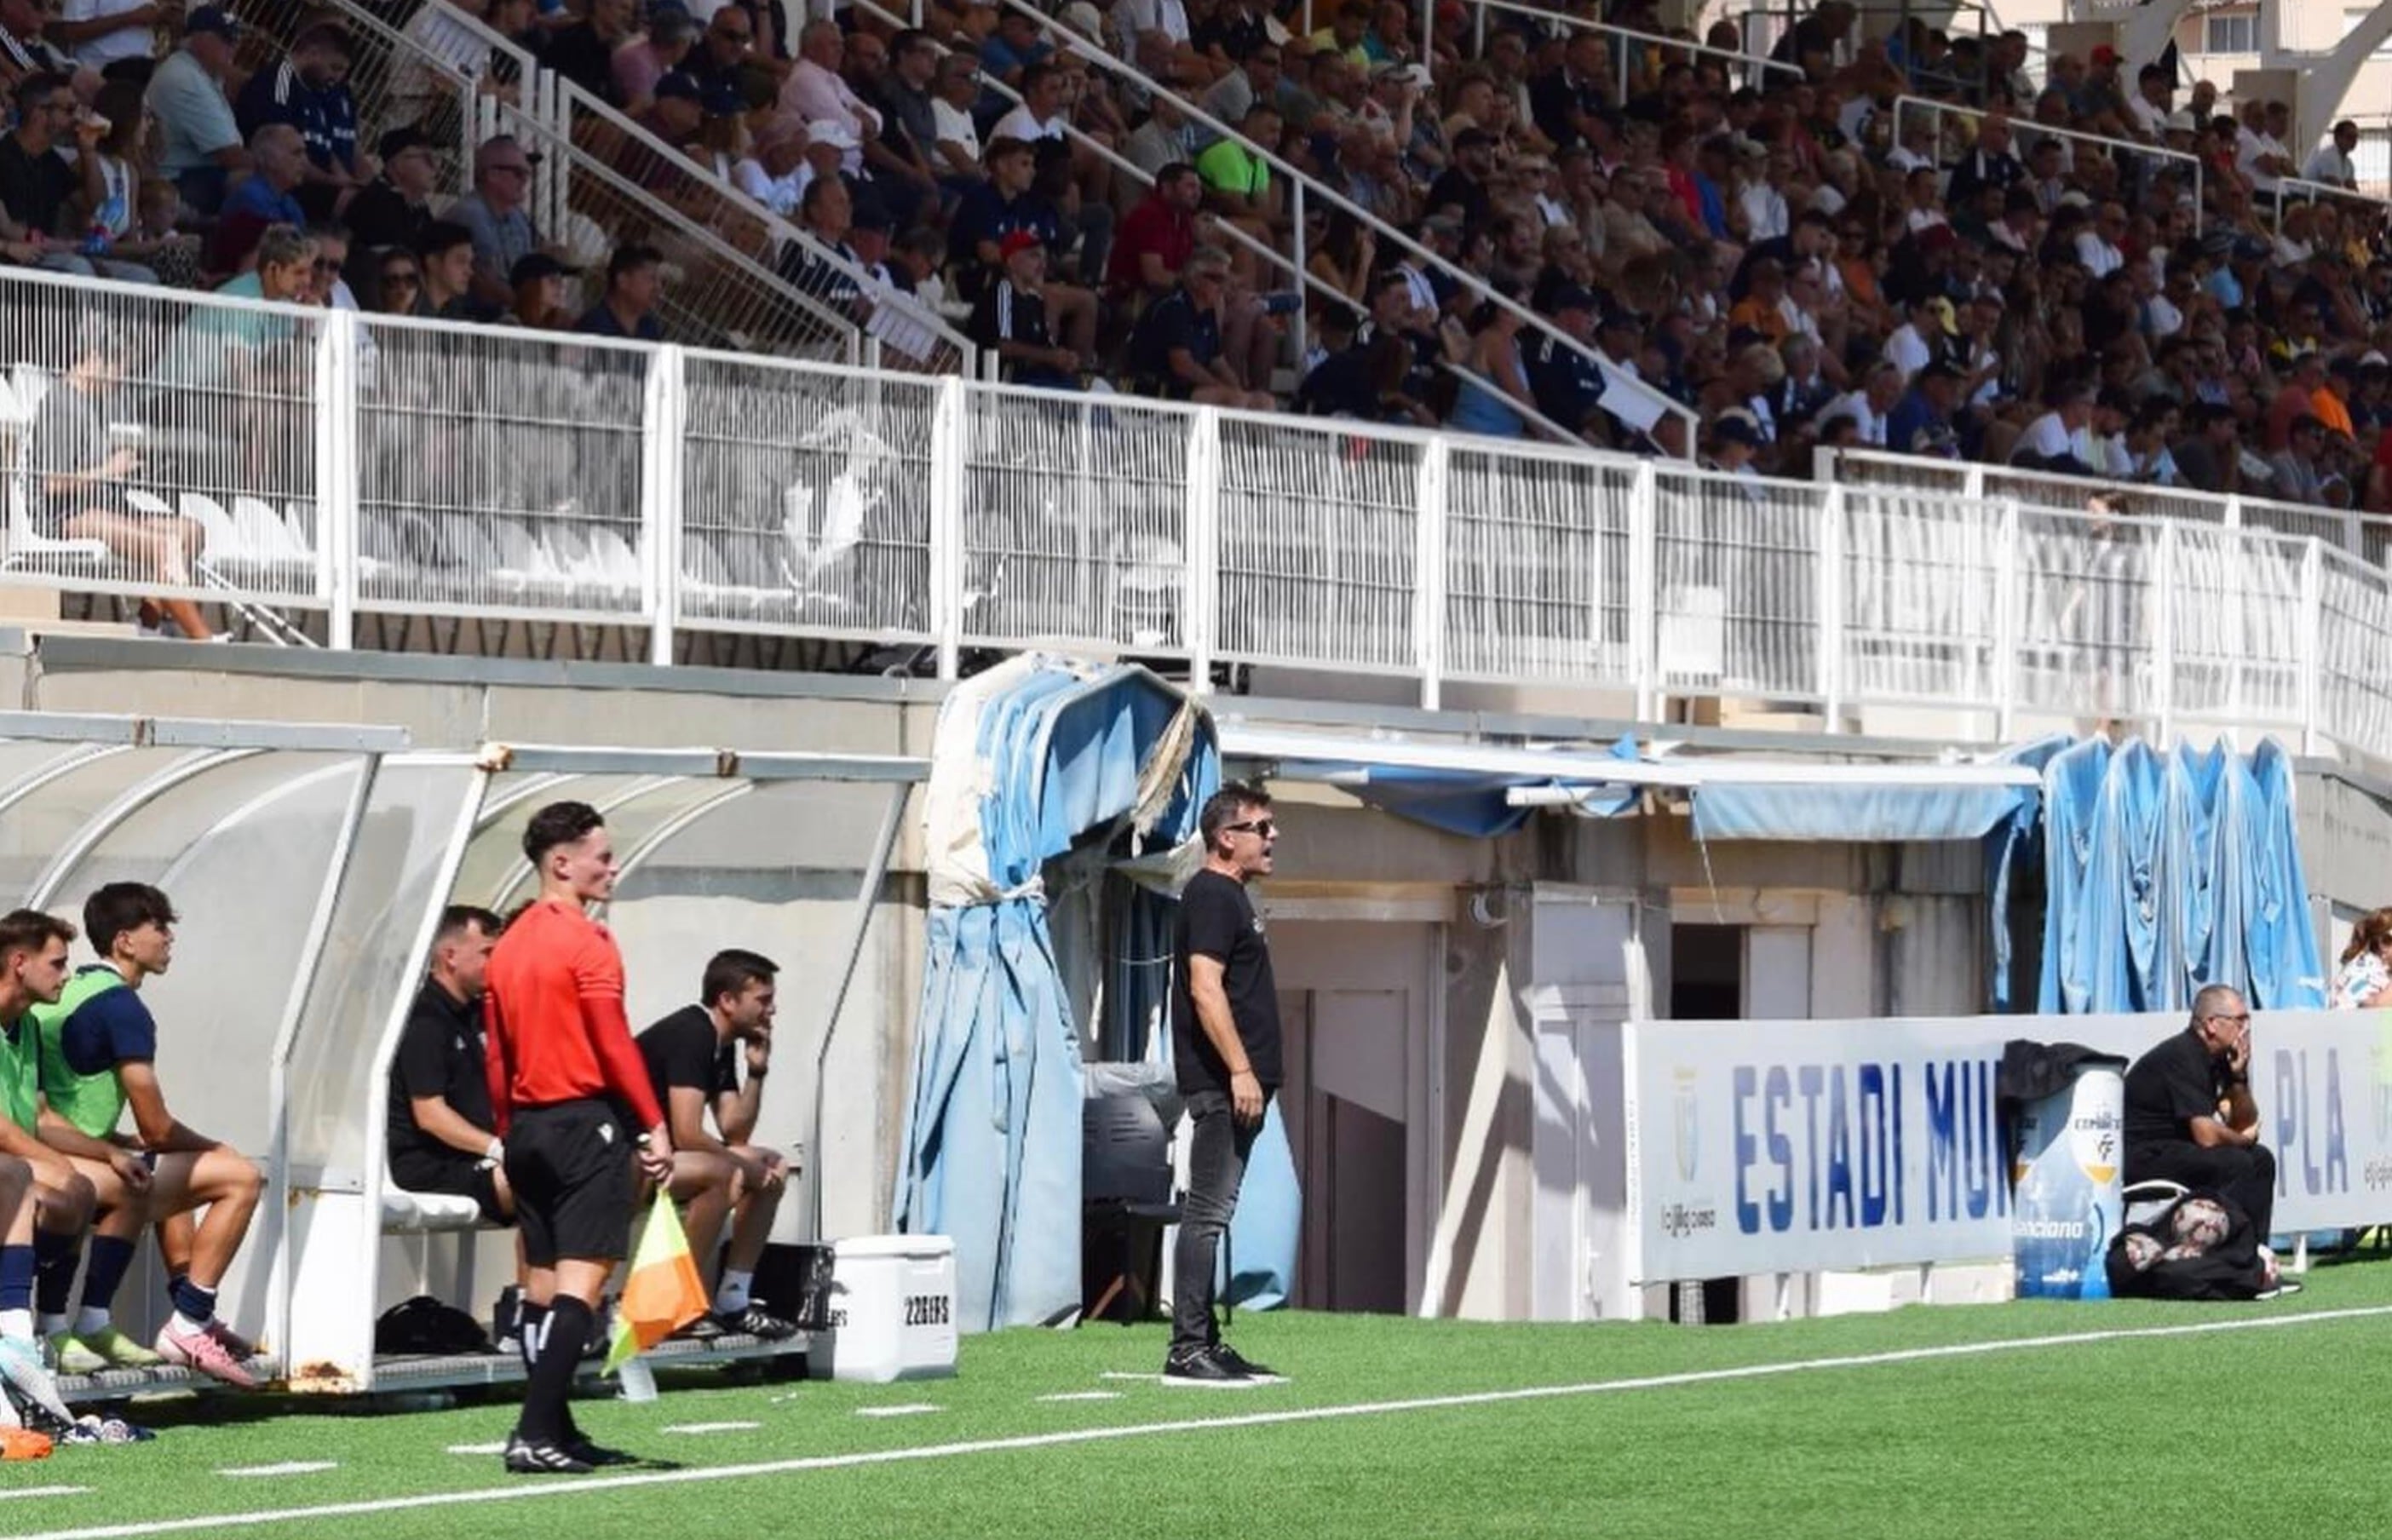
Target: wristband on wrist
(496, 1152)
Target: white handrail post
(1831, 584)
(1202, 601)
(2008, 586)
(1295, 322)
(1428, 572)
(2312, 641)
(337, 474)
(662, 421)
(1973, 482)
(2233, 510)
(950, 449)
(1644, 591)
(2163, 579)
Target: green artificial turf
(2086, 1438)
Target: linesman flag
(662, 1293)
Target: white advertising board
(1790, 1146)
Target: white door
(1355, 1006)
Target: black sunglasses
(1263, 826)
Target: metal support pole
(866, 895)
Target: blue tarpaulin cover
(2163, 873)
(1030, 757)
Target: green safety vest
(21, 1073)
(92, 1103)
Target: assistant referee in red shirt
(560, 1059)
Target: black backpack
(423, 1325)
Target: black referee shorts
(570, 1164)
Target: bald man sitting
(2189, 1115)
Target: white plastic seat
(406, 1213)
(223, 538)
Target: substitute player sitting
(693, 1060)
(99, 1052)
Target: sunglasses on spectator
(402, 277)
(1262, 827)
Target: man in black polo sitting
(2189, 1115)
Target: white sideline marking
(45, 1492)
(287, 1467)
(1124, 1374)
(711, 1427)
(498, 1448)
(912, 1408)
(1083, 1395)
(1250, 1419)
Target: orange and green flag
(662, 1293)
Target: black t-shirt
(380, 215)
(681, 1050)
(35, 188)
(1455, 187)
(1217, 920)
(582, 56)
(440, 1054)
(2170, 1086)
(1171, 323)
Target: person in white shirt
(2331, 161)
(776, 172)
(1868, 405)
(99, 32)
(2097, 245)
(1907, 348)
(2055, 440)
(815, 92)
(2150, 104)
(1168, 16)
(2259, 154)
(957, 156)
(1042, 113)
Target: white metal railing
(516, 475)
(2027, 128)
(2365, 536)
(1624, 43)
(2302, 189)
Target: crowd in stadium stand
(1503, 241)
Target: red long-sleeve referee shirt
(553, 1009)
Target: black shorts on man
(570, 1164)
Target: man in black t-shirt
(439, 1125)
(2189, 1116)
(693, 1059)
(438, 1129)
(1225, 1046)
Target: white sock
(183, 1326)
(17, 1324)
(730, 1295)
(51, 1325)
(90, 1320)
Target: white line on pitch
(1083, 1395)
(1122, 1374)
(43, 1492)
(912, 1408)
(287, 1467)
(711, 1427)
(498, 1448)
(1145, 1430)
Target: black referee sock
(546, 1417)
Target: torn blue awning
(1472, 803)
(1854, 812)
